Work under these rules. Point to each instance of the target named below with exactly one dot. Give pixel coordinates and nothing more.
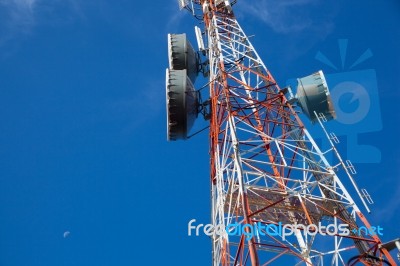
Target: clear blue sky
(83, 131)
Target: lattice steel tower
(266, 169)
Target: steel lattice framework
(265, 166)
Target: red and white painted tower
(266, 170)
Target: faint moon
(66, 233)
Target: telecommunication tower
(266, 170)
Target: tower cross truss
(267, 172)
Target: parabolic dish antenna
(313, 96)
(182, 104)
(181, 55)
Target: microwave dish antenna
(182, 104)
